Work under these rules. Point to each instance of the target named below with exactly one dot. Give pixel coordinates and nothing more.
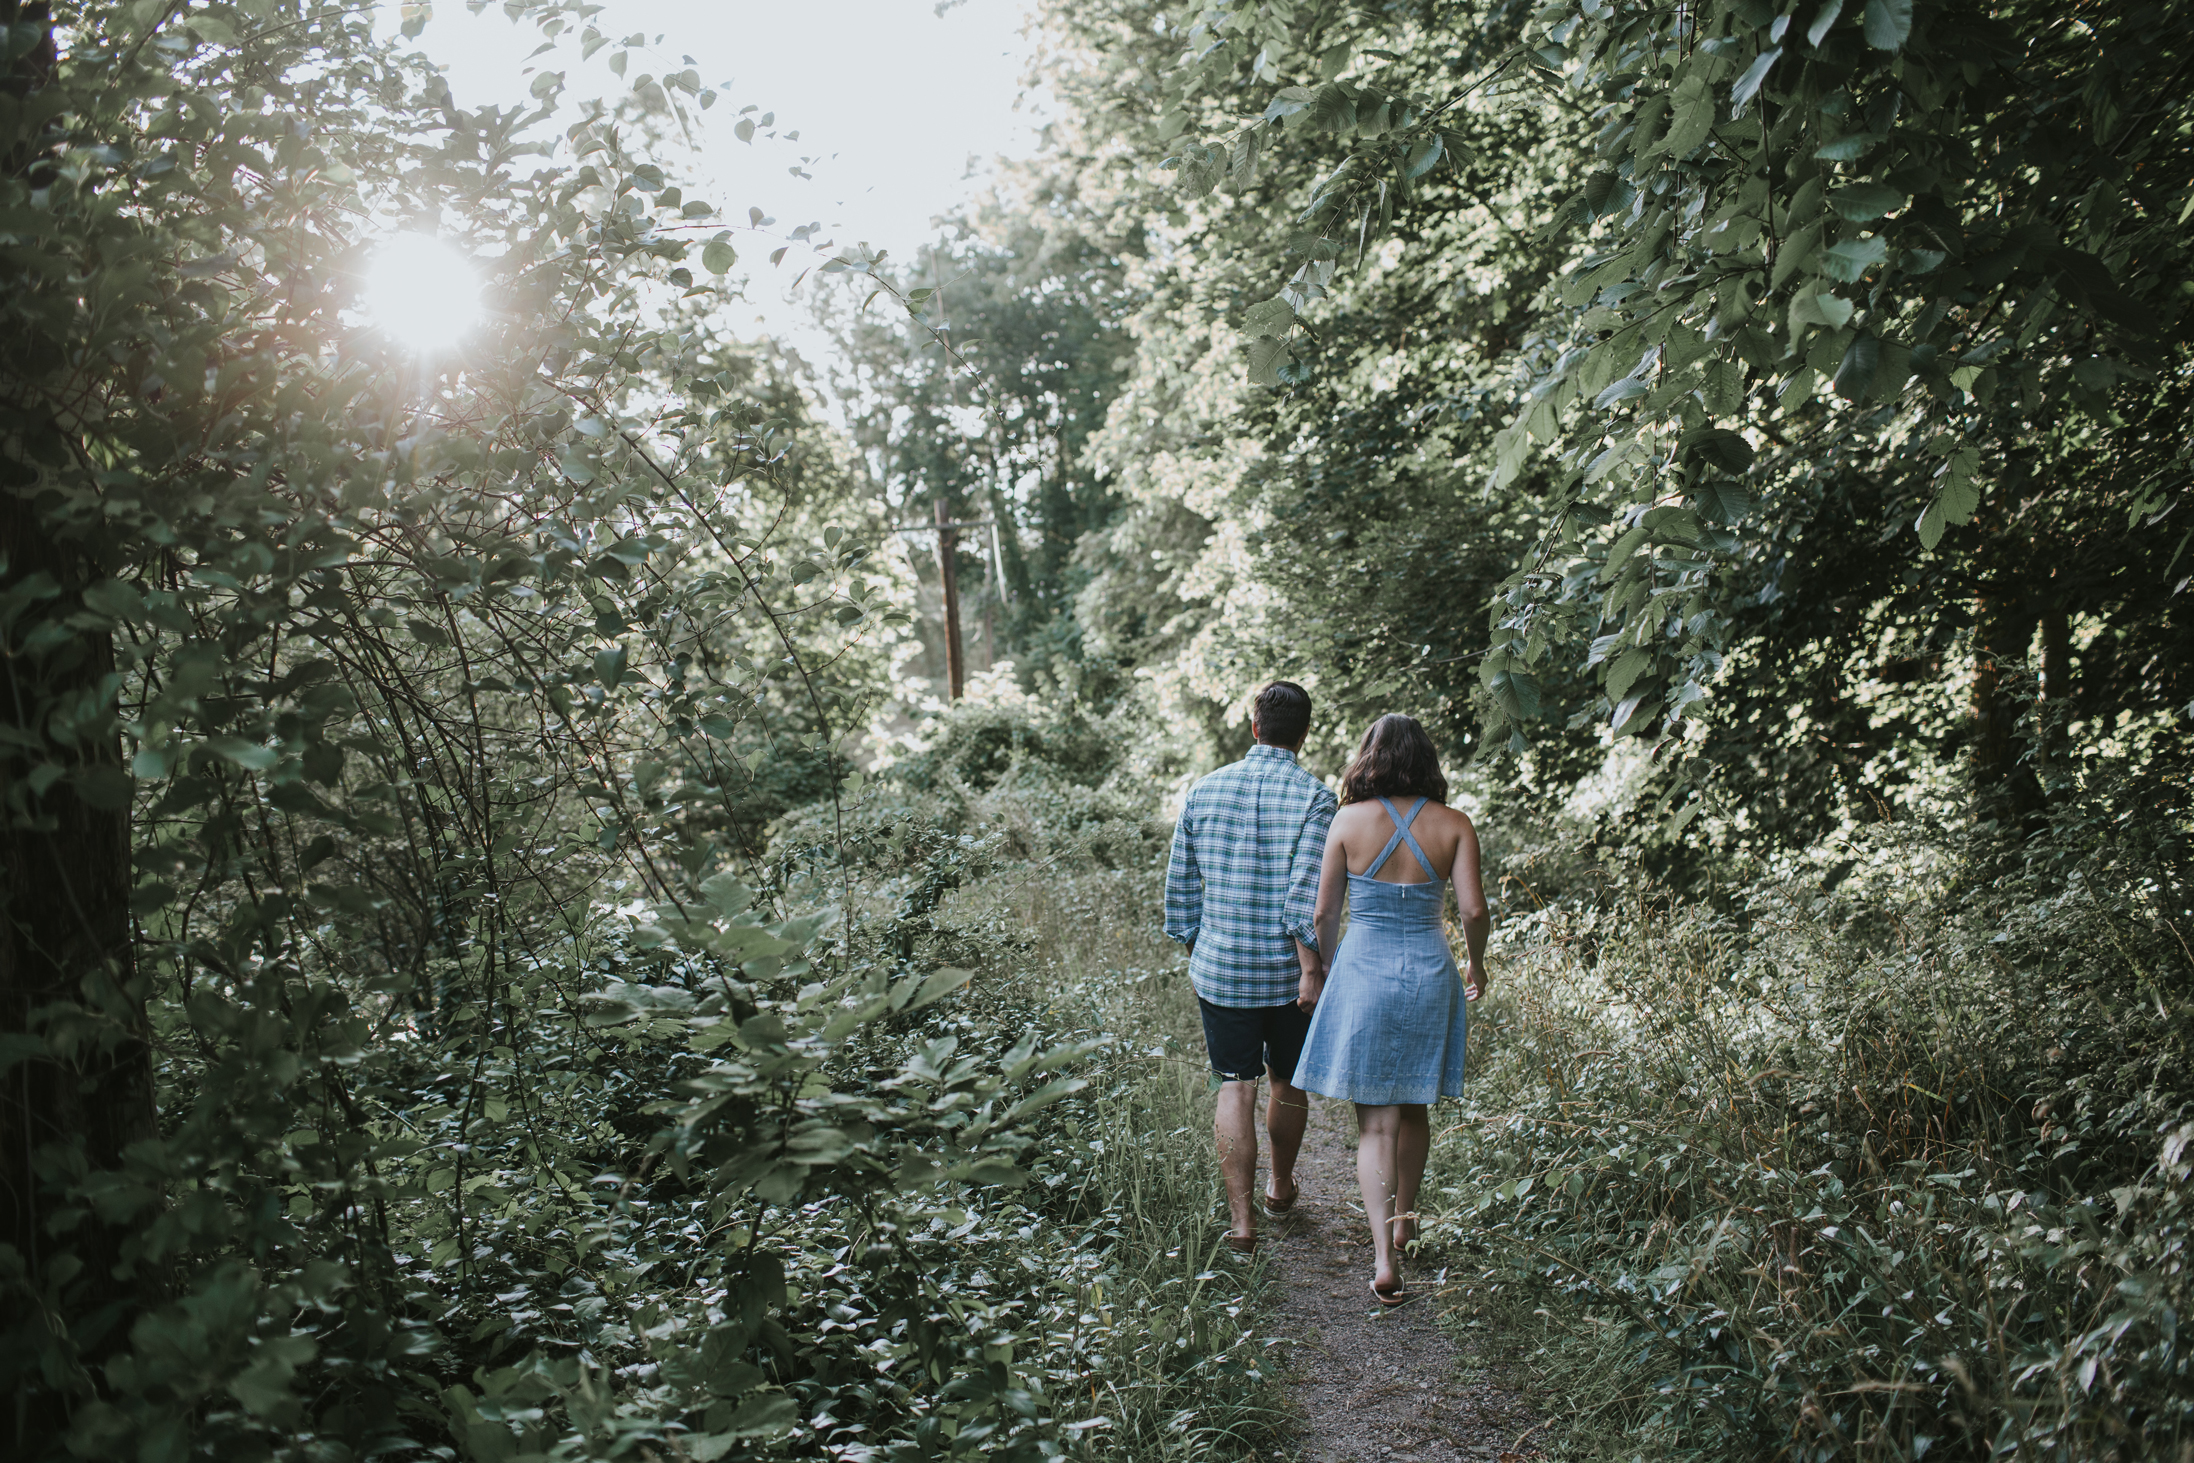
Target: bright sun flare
(422, 291)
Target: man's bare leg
(1235, 1128)
(1287, 1111)
(1412, 1143)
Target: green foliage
(1771, 201)
(977, 745)
(1450, 307)
(471, 1077)
(983, 396)
(1889, 1172)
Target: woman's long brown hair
(1395, 759)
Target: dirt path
(1373, 1386)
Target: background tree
(986, 397)
(390, 741)
(1575, 257)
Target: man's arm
(1298, 916)
(1184, 885)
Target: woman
(1387, 1033)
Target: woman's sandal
(1389, 1298)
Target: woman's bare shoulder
(1450, 819)
(1351, 816)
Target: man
(1240, 893)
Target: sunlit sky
(896, 106)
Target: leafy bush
(977, 745)
(396, 1063)
(1896, 1172)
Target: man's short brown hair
(1282, 714)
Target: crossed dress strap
(1402, 835)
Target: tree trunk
(2056, 656)
(66, 971)
(948, 540)
(2003, 630)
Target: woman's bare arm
(1470, 903)
(1326, 917)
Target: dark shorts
(1244, 1041)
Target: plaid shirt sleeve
(1184, 884)
(1302, 884)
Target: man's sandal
(1242, 1244)
(1278, 1207)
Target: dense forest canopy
(496, 959)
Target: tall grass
(1881, 1176)
(1156, 1356)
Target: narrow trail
(1373, 1386)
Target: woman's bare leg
(1412, 1142)
(1377, 1168)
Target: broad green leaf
(1855, 376)
(763, 1416)
(1809, 307)
(1717, 445)
(717, 256)
(1626, 669)
(264, 1385)
(1823, 20)
(1959, 495)
(996, 1171)
(1629, 388)
(1273, 317)
(726, 894)
(1623, 549)
(1722, 500)
(1852, 258)
(1332, 108)
(1795, 253)
(609, 666)
(249, 755)
(1423, 157)
(1930, 526)
(940, 983)
(1848, 149)
(1266, 357)
(1285, 103)
(1691, 118)
(1634, 713)
(1517, 692)
(1755, 75)
(1724, 391)
(1865, 202)
(2096, 373)
(1888, 24)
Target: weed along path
(1372, 1385)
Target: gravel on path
(1372, 1385)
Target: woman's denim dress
(1389, 1026)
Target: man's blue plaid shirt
(1243, 880)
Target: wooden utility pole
(948, 541)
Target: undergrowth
(1897, 1171)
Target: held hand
(1474, 981)
(1307, 991)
